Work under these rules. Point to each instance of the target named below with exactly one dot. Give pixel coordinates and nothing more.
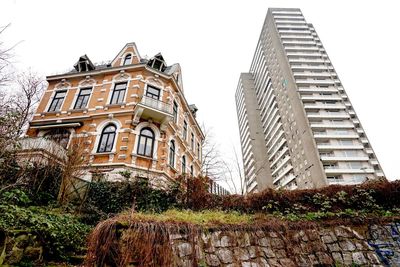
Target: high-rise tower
(297, 126)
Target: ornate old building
(131, 113)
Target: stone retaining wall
(338, 246)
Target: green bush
(62, 235)
(107, 198)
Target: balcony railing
(32, 145)
(156, 104)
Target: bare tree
(30, 88)
(212, 163)
(5, 59)
(234, 175)
(73, 167)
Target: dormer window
(84, 64)
(127, 59)
(157, 62)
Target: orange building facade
(131, 113)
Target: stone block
(199, 252)
(262, 262)
(324, 258)
(185, 263)
(287, 262)
(205, 237)
(226, 241)
(313, 259)
(337, 257)
(212, 260)
(249, 264)
(225, 255)
(333, 247)
(281, 253)
(264, 242)
(313, 235)
(347, 258)
(347, 245)
(372, 258)
(268, 252)
(175, 236)
(359, 258)
(244, 240)
(260, 233)
(277, 243)
(252, 252)
(215, 240)
(184, 249)
(342, 232)
(241, 254)
(274, 263)
(302, 260)
(327, 239)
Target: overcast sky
(214, 41)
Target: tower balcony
(154, 109)
(296, 67)
(346, 170)
(341, 158)
(335, 136)
(339, 147)
(332, 115)
(320, 97)
(324, 106)
(332, 126)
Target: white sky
(214, 41)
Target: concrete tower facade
(297, 126)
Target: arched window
(183, 165)
(107, 139)
(128, 59)
(191, 170)
(146, 142)
(172, 153)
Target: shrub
(107, 198)
(62, 235)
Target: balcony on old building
(41, 149)
(153, 109)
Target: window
(128, 59)
(192, 141)
(153, 92)
(83, 98)
(335, 177)
(146, 142)
(354, 165)
(175, 111)
(118, 93)
(329, 166)
(107, 139)
(198, 150)
(183, 165)
(346, 142)
(172, 153)
(57, 101)
(350, 153)
(191, 170)
(185, 127)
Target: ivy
(62, 235)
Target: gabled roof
(132, 44)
